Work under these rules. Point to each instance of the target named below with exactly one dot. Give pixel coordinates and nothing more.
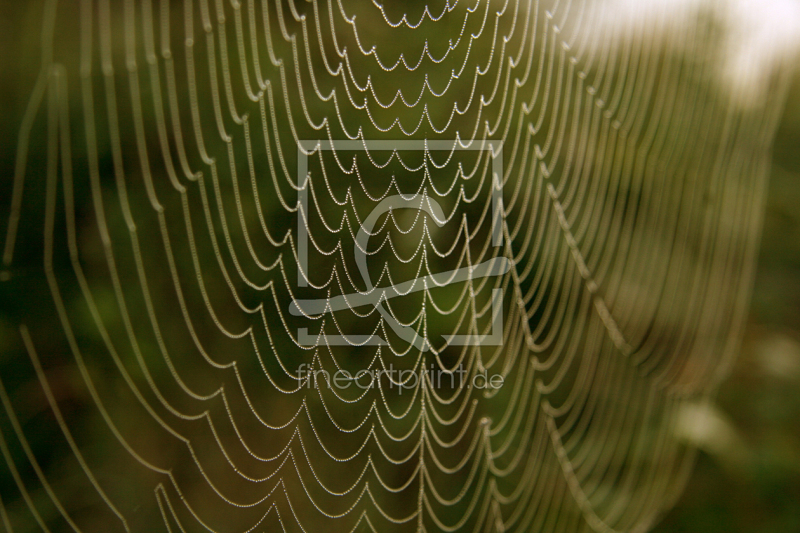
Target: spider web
(216, 203)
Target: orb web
(444, 266)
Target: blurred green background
(748, 474)
(747, 477)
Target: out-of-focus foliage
(747, 481)
(754, 485)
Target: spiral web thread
(163, 156)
